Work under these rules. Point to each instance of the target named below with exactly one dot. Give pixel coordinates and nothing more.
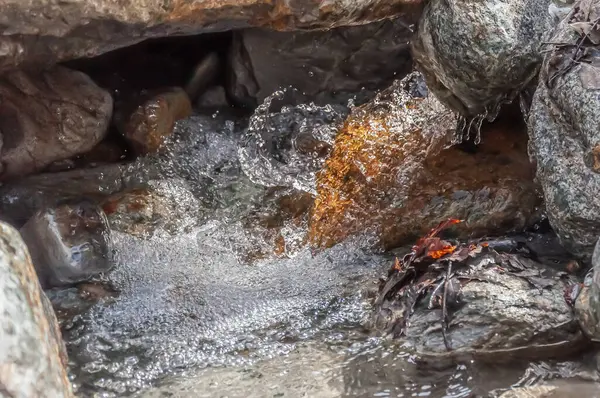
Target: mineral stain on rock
(393, 173)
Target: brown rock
(31, 354)
(49, 116)
(43, 31)
(152, 119)
(391, 174)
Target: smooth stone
(69, 243)
(49, 116)
(147, 121)
(501, 307)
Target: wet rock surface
(69, 243)
(477, 55)
(324, 66)
(49, 116)
(149, 119)
(32, 358)
(46, 32)
(587, 305)
(564, 132)
(452, 300)
(392, 174)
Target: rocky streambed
(374, 198)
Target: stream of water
(194, 319)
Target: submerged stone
(564, 130)
(162, 207)
(277, 227)
(69, 244)
(392, 174)
(32, 360)
(49, 116)
(478, 55)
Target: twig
(444, 308)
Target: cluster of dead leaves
(436, 269)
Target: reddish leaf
(442, 252)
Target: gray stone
(587, 305)
(564, 131)
(477, 54)
(320, 65)
(45, 31)
(49, 116)
(500, 306)
(69, 243)
(30, 351)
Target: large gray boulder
(322, 66)
(564, 130)
(31, 354)
(476, 55)
(47, 31)
(49, 116)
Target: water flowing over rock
(391, 174)
(69, 243)
(30, 358)
(564, 129)
(324, 66)
(287, 148)
(46, 31)
(478, 55)
(164, 206)
(49, 116)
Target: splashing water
(194, 319)
(288, 147)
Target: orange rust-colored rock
(46, 32)
(392, 174)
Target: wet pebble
(69, 243)
(146, 121)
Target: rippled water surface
(196, 318)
